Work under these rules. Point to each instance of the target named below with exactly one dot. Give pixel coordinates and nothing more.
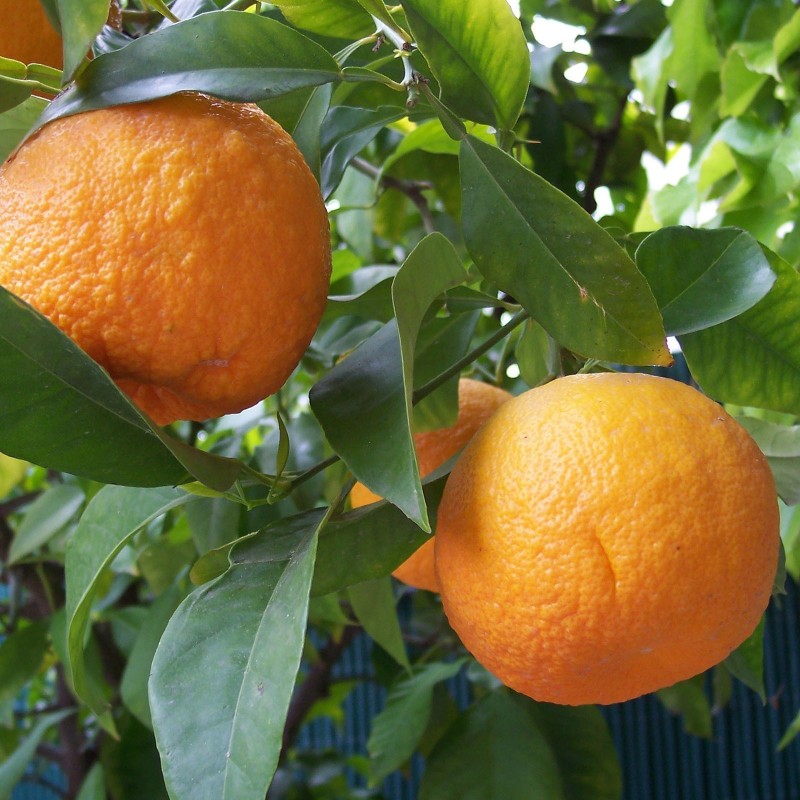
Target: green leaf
(13, 768)
(688, 698)
(702, 278)
(45, 517)
(477, 53)
(746, 662)
(359, 546)
(397, 730)
(224, 744)
(539, 246)
(21, 656)
(16, 122)
(364, 402)
(754, 359)
(374, 606)
(133, 688)
(213, 521)
(111, 519)
(345, 19)
(230, 54)
(496, 750)
(81, 21)
(537, 355)
(790, 734)
(694, 53)
(94, 785)
(781, 445)
(584, 750)
(346, 132)
(49, 386)
(131, 764)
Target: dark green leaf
(45, 517)
(781, 445)
(537, 355)
(111, 519)
(374, 606)
(746, 662)
(584, 750)
(230, 54)
(133, 688)
(21, 656)
(477, 53)
(551, 256)
(754, 359)
(397, 730)
(345, 133)
(224, 744)
(60, 409)
(81, 21)
(213, 521)
(495, 750)
(701, 278)
(364, 403)
(130, 763)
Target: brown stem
(315, 686)
(413, 190)
(604, 142)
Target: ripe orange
(27, 35)
(476, 403)
(605, 536)
(182, 243)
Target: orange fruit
(604, 536)
(27, 35)
(183, 243)
(477, 401)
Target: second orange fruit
(477, 401)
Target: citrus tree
(183, 562)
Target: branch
(315, 686)
(604, 142)
(413, 190)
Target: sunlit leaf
(540, 247)
(230, 54)
(477, 53)
(345, 19)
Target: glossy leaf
(495, 749)
(224, 744)
(701, 278)
(45, 517)
(397, 730)
(540, 247)
(364, 402)
(241, 57)
(345, 19)
(781, 445)
(754, 359)
(81, 21)
(21, 656)
(60, 409)
(374, 606)
(14, 767)
(133, 688)
(110, 521)
(477, 53)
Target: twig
(413, 190)
(315, 686)
(604, 142)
